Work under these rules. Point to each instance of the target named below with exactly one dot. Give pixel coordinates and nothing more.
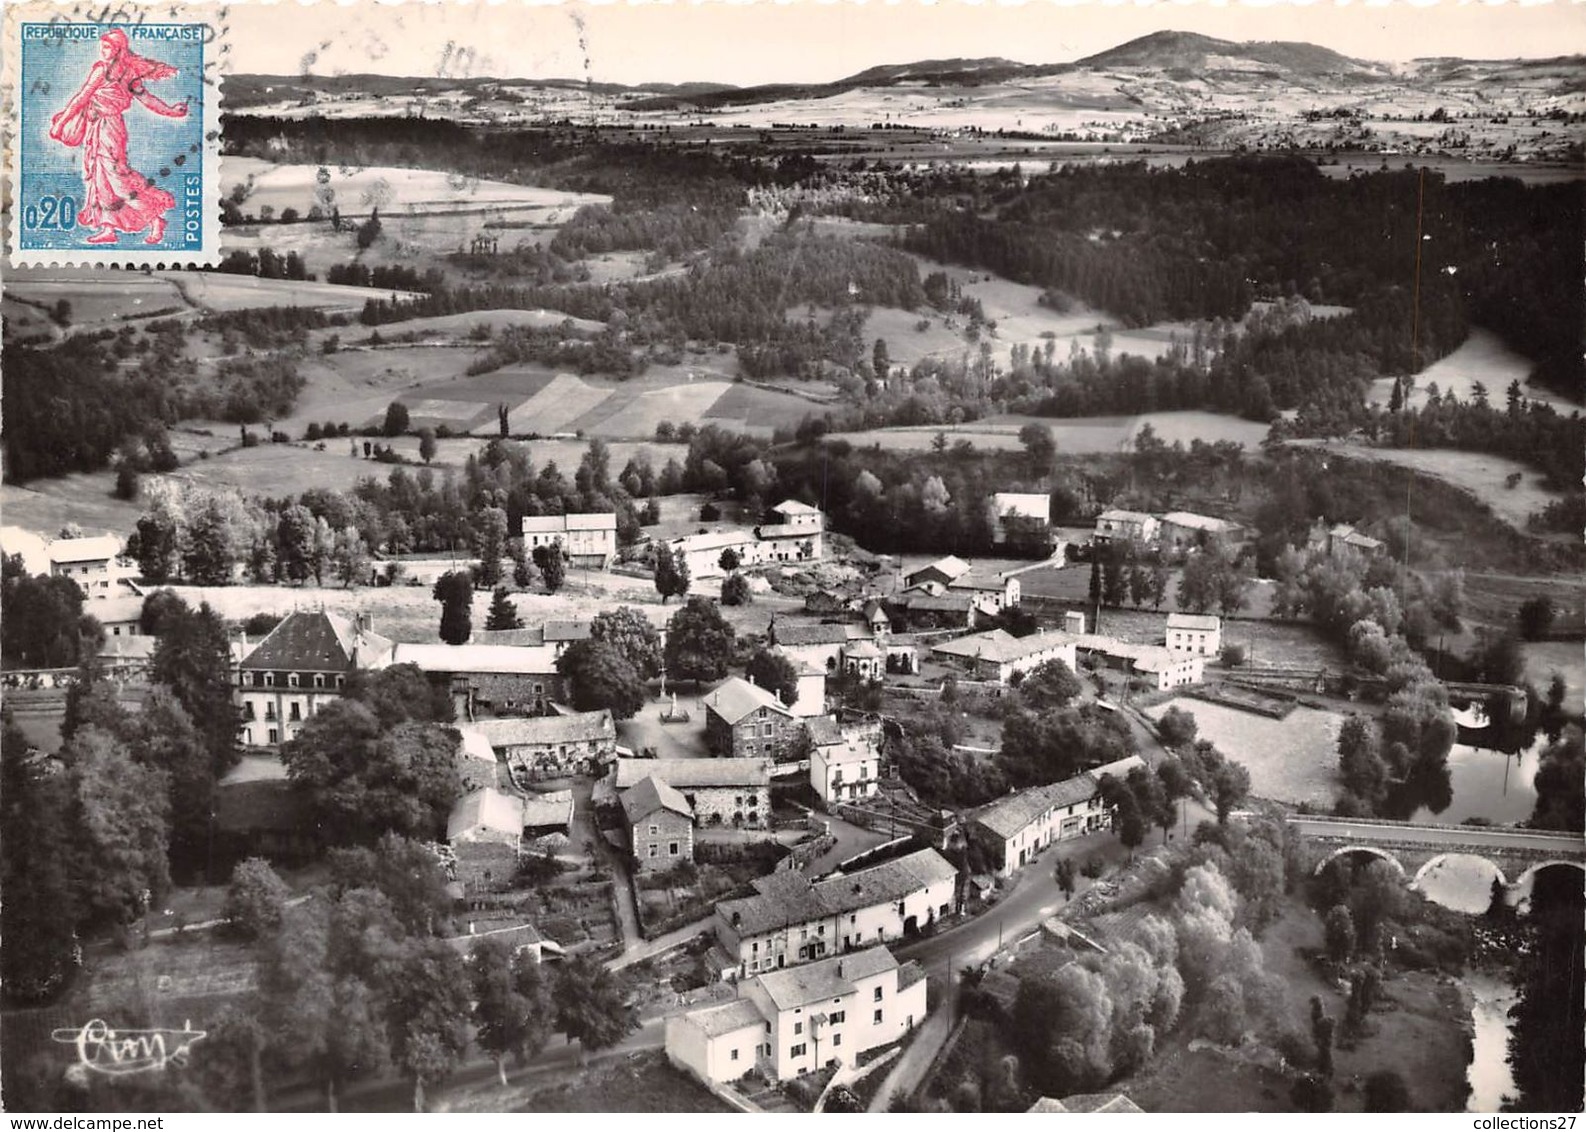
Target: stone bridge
(1514, 856)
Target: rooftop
(486, 809)
(886, 882)
(316, 641)
(1198, 522)
(780, 899)
(520, 659)
(566, 631)
(825, 979)
(555, 524)
(1007, 816)
(1203, 621)
(736, 698)
(823, 731)
(712, 540)
(951, 567)
(579, 727)
(1022, 504)
(650, 794)
(822, 633)
(729, 1017)
(540, 810)
(693, 773)
(1115, 515)
(475, 745)
(95, 549)
(1001, 647)
(794, 507)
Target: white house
(810, 697)
(486, 816)
(1014, 829)
(1126, 526)
(1185, 530)
(1198, 633)
(1160, 667)
(588, 540)
(302, 664)
(789, 1023)
(999, 655)
(791, 920)
(90, 562)
(1031, 509)
(845, 761)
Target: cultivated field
(1485, 476)
(1484, 358)
(217, 291)
(393, 191)
(1074, 435)
(1291, 760)
(98, 298)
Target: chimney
(365, 623)
(839, 968)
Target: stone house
(743, 720)
(551, 746)
(719, 791)
(660, 825)
(491, 679)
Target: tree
(552, 565)
(294, 539)
(591, 1006)
(1064, 876)
(630, 632)
(427, 446)
(369, 230)
(360, 781)
(1050, 686)
(1561, 784)
(503, 613)
(490, 534)
(39, 914)
(699, 642)
(428, 1014)
(601, 677)
(42, 620)
(1385, 1091)
(1339, 930)
(123, 813)
(1039, 447)
(455, 591)
(775, 673)
(1230, 785)
(735, 590)
(350, 557)
(401, 693)
(881, 360)
(255, 900)
(671, 573)
(1129, 823)
(1536, 618)
(1177, 728)
(396, 419)
(193, 660)
(512, 1006)
(729, 560)
(158, 609)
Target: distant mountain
(1187, 52)
(929, 70)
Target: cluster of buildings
(1011, 831)
(798, 537)
(1176, 532)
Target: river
(1489, 1074)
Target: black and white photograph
(793, 558)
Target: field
(392, 191)
(1484, 476)
(98, 298)
(746, 408)
(1075, 436)
(1292, 760)
(216, 291)
(638, 1082)
(1484, 358)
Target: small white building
(90, 562)
(789, 1023)
(1127, 526)
(845, 761)
(486, 816)
(1185, 530)
(1014, 829)
(1197, 633)
(588, 540)
(810, 698)
(1032, 510)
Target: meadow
(1291, 760)
(1074, 435)
(1483, 358)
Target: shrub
(1233, 656)
(256, 899)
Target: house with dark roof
(720, 791)
(943, 572)
(744, 720)
(551, 746)
(791, 919)
(660, 825)
(1014, 829)
(845, 759)
(302, 664)
(792, 1022)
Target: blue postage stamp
(115, 155)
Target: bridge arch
(1529, 875)
(1370, 850)
(1443, 858)
(1466, 886)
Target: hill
(1201, 54)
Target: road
(1565, 844)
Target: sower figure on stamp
(117, 198)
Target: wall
(720, 805)
(670, 829)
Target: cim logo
(121, 1052)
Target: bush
(256, 899)
(735, 591)
(709, 513)
(1233, 656)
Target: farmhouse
(818, 645)
(845, 760)
(1160, 668)
(547, 813)
(1016, 517)
(476, 760)
(999, 655)
(789, 1023)
(797, 538)
(120, 616)
(720, 791)
(1343, 539)
(944, 571)
(660, 825)
(1013, 830)
(1126, 526)
(301, 665)
(917, 609)
(588, 540)
(792, 920)
(1198, 633)
(701, 553)
(485, 831)
(550, 746)
(1184, 530)
(988, 593)
(491, 680)
(743, 720)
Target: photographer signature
(118, 1052)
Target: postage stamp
(115, 142)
